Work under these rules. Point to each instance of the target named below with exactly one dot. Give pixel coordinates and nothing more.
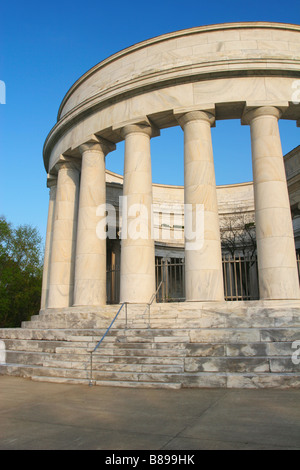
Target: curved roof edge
(166, 36)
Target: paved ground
(35, 415)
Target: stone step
(155, 350)
(186, 379)
(112, 349)
(29, 370)
(160, 385)
(240, 364)
(154, 360)
(139, 363)
(210, 321)
(84, 374)
(262, 349)
(130, 355)
(157, 335)
(79, 360)
(206, 319)
(25, 357)
(67, 334)
(41, 345)
(189, 346)
(204, 380)
(177, 315)
(107, 383)
(192, 339)
(124, 376)
(116, 367)
(241, 380)
(243, 335)
(60, 380)
(238, 334)
(199, 380)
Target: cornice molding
(171, 35)
(184, 73)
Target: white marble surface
(90, 261)
(61, 282)
(137, 253)
(278, 275)
(203, 265)
(52, 182)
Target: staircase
(232, 344)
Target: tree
(238, 234)
(20, 273)
(238, 239)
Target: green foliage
(20, 273)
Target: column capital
(136, 128)
(195, 113)
(67, 163)
(51, 180)
(253, 110)
(140, 125)
(97, 144)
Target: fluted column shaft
(278, 276)
(90, 267)
(137, 252)
(52, 182)
(61, 283)
(203, 261)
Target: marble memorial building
(192, 79)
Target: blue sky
(46, 47)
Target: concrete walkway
(35, 415)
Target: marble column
(51, 184)
(62, 258)
(137, 245)
(278, 276)
(203, 259)
(90, 266)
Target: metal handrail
(114, 319)
(99, 342)
(151, 301)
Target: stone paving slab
(48, 416)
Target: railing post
(148, 315)
(91, 369)
(99, 342)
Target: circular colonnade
(189, 78)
